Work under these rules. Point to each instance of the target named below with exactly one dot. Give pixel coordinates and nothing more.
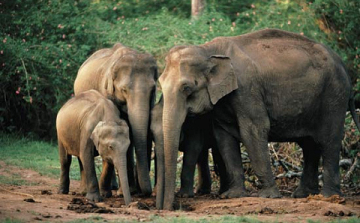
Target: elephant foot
(328, 192)
(114, 185)
(302, 192)
(153, 193)
(133, 191)
(185, 193)
(234, 192)
(83, 190)
(270, 192)
(223, 189)
(63, 191)
(202, 191)
(95, 197)
(106, 193)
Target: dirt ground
(38, 201)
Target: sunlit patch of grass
(12, 180)
(35, 155)
(226, 218)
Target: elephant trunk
(121, 167)
(139, 121)
(173, 118)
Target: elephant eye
(186, 89)
(110, 147)
(123, 90)
(213, 69)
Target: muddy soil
(37, 200)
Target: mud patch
(336, 199)
(81, 205)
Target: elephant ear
(95, 135)
(109, 79)
(221, 77)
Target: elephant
(196, 139)
(275, 86)
(128, 78)
(89, 125)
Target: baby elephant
(88, 125)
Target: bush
(43, 45)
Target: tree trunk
(197, 7)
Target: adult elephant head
(194, 79)
(128, 78)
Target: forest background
(44, 42)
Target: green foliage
(339, 20)
(43, 42)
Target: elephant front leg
(254, 136)
(204, 178)
(87, 159)
(65, 162)
(187, 173)
(106, 179)
(114, 184)
(229, 149)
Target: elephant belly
(289, 129)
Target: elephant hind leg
(331, 168)
(82, 178)
(65, 162)
(309, 182)
(330, 136)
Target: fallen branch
(290, 174)
(18, 193)
(344, 163)
(354, 166)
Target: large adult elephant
(128, 78)
(275, 86)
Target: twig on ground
(355, 165)
(289, 174)
(18, 193)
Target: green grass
(35, 155)
(349, 220)
(223, 219)
(14, 179)
(181, 219)
(12, 221)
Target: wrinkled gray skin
(196, 139)
(277, 86)
(89, 125)
(128, 78)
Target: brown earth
(37, 200)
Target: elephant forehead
(112, 130)
(174, 57)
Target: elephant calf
(86, 122)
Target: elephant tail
(352, 111)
